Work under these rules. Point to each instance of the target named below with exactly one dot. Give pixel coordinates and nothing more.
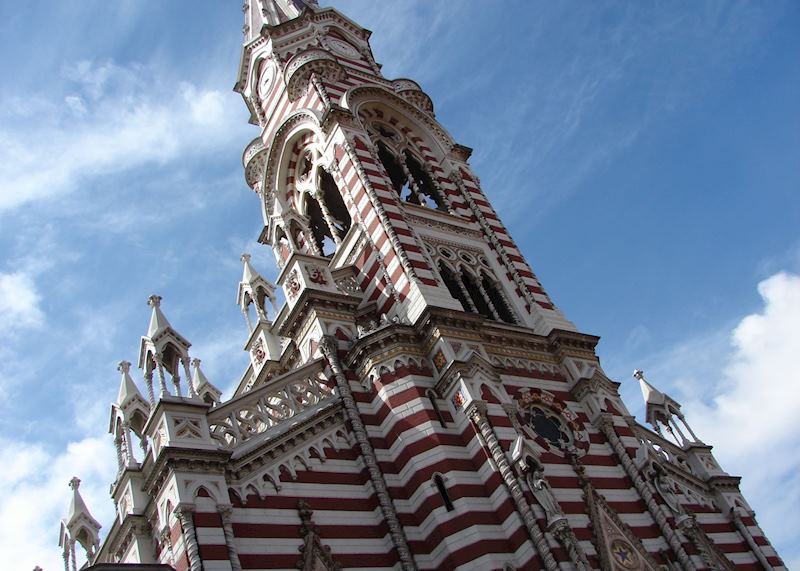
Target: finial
(154, 300)
(638, 374)
(245, 258)
(196, 363)
(75, 483)
(124, 367)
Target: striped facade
(398, 425)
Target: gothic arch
(280, 150)
(359, 98)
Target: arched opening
(425, 187)
(440, 486)
(320, 231)
(475, 294)
(395, 171)
(333, 200)
(282, 245)
(450, 281)
(499, 302)
(298, 238)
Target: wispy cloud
(113, 119)
(19, 302)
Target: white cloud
(36, 497)
(122, 117)
(740, 393)
(19, 302)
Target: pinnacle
(158, 322)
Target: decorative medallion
(316, 275)
(293, 284)
(258, 352)
(458, 399)
(624, 555)
(439, 360)
(343, 48)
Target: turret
(255, 290)
(78, 527)
(262, 345)
(206, 391)
(129, 413)
(662, 410)
(163, 350)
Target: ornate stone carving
(293, 285)
(316, 274)
(259, 410)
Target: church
(417, 401)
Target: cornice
(173, 458)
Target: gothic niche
(410, 179)
(327, 216)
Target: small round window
(549, 426)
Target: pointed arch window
(410, 179)
(340, 217)
(475, 289)
(318, 197)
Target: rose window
(549, 426)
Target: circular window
(446, 253)
(483, 261)
(549, 426)
(468, 258)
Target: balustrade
(259, 410)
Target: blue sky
(644, 155)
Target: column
(477, 414)
(225, 512)
(162, 383)
(185, 514)
(329, 348)
(326, 214)
(148, 379)
(606, 425)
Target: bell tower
(415, 400)
(354, 172)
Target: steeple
(163, 349)
(79, 526)
(663, 410)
